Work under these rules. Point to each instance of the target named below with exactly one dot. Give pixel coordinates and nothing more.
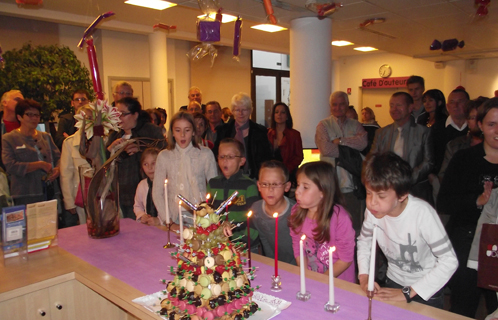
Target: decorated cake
(210, 281)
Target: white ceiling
(410, 27)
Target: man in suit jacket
(411, 141)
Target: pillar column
(159, 71)
(311, 74)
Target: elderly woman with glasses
(135, 123)
(31, 158)
(252, 135)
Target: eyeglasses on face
(124, 114)
(271, 185)
(228, 157)
(80, 99)
(124, 93)
(32, 115)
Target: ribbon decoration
(163, 26)
(92, 55)
(237, 39)
(269, 11)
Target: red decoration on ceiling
(31, 2)
(323, 9)
(269, 11)
(482, 7)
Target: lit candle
(331, 277)
(371, 271)
(249, 214)
(302, 262)
(166, 206)
(181, 221)
(275, 215)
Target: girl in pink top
(318, 213)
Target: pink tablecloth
(136, 257)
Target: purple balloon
(436, 45)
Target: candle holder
(332, 308)
(276, 284)
(169, 244)
(303, 296)
(370, 295)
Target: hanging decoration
(322, 9)
(208, 32)
(237, 34)
(447, 45)
(92, 55)
(29, 2)
(163, 26)
(482, 7)
(269, 11)
(209, 6)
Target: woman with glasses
(30, 157)
(135, 123)
(252, 135)
(286, 142)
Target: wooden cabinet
(66, 300)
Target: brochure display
(14, 236)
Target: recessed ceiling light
(153, 4)
(341, 43)
(225, 17)
(365, 49)
(268, 27)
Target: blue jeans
(436, 301)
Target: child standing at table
(320, 215)
(187, 166)
(409, 232)
(273, 182)
(144, 207)
(230, 158)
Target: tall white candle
(371, 271)
(302, 262)
(181, 221)
(331, 277)
(166, 206)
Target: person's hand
(174, 227)
(390, 294)
(336, 141)
(153, 221)
(364, 283)
(65, 135)
(71, 211)
(145, 218)
(132, 148)
(53, 174)
(484, 197)
(45, 166)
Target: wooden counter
(55, 277)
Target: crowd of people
(438, 158)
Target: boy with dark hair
(416, 88)
(420, 256)
(273, 182)
(230, 159)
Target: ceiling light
(341, 43)
(225, 17)
(365, 49)
(153, 4)
(268, 27)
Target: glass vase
(100, 192)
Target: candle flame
(180, 202)
(229, 203)
(208, 196)
(166, 181)
(275, 215)
(332, 249)
(249, 214)
(303, 237)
